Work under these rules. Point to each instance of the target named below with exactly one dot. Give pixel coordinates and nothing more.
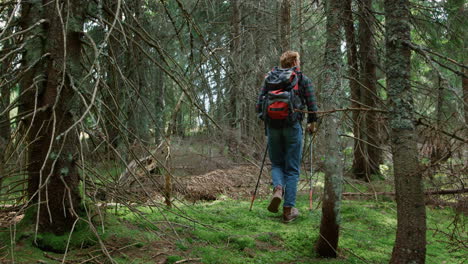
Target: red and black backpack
(282, 97)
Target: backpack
(282, 97)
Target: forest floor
(210, 222)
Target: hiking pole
(311, 191)
(258, 180)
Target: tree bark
(5, 93)
(300, 26)
(235, 84)
(285, 25)
(373, 153)
(52, 172)
(159, 96)
(465, 89)
(457, 45)
(5, 129)
(138, 110)
(442, 113)
(327, 243)
(113, 110)
(410, 243)
(359, 151)
(464, 13)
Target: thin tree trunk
(327, 243)
(235, 87)
(301, 26)
(53, 174)
(285, 25)
(260, 43)
(113, 96)
(458, 39)
(172, 127)
(221, 105)
(5, 127)
(359, 166)
(138, 113)
(464, 13)
(373, 154)
(410, 243)
(465, 90)
(159, 97)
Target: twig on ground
(187, 260)
(430, 192)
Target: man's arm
(261, 97)
(311, 101)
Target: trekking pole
(258, 180)
(311, 191)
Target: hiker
(286, 88)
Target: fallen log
(430, 192)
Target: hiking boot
(290, 214)
(276, 199)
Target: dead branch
(342, 110)
(421, 122)
(430, 192)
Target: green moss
(81, 237)
(242, 243)
(182, 245)
(237, 235)
(173, 259)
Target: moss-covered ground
(225, 231)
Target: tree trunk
(5, 95)
(138, 112)
(465, 89)
(5, 127)
(5, 130)
(159, 94)
(327, 243)
(285, 25)
(52, 172)
(300, 26)
(113, 96)
(464, 13)
(457, 45)
(359, 164)
(410, 243)
(373, 154)
(235, 89)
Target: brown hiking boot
(276, 199)
(290, 214)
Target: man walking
(284, 90)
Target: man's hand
(311, 128)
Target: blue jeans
(285, 152)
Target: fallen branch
(187, 260)
(343, 110)
(431, 192)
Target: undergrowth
(225, 231)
